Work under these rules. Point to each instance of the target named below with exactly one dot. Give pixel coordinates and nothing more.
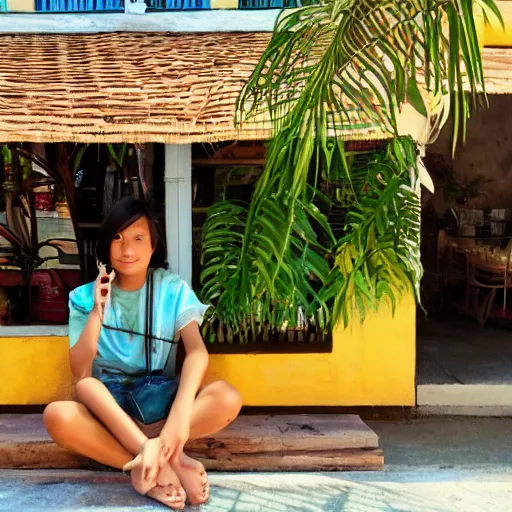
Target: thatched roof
(132, 87)
(498, 70)
(144, 87)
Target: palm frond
(329, 69)
(286, 266)
(379, 259)
(355, 59)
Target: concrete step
(317, 442)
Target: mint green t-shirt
(175, 305)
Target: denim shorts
(118, 386)
(145, 399)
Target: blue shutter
(116, 5)
(266, 4)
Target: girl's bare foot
(168, 479)
(194, 479)
(138, 483)
(168, 490)
(167, 496)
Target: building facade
(172, 78)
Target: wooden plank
(41, 455)
(255, 434)
(50, 456)
(342, 460)
(251, 443)
(22, 427)
(324, 432)
(248, 434)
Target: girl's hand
(147, 459)
(102, 289)
(173, 439)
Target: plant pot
(44, 201)
(49, 298)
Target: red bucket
(49, 298)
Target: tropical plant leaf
(278, 276)
(77, 157)
(354, 62)
(118, 153)
(331, 69)
(12, 238)
(379, 259)
(415, 98)
(60, 172)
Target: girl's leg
(73, 426)
(215, 407)
(97, 398)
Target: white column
(178, 208)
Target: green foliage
(378, 259)
(6, 154)
(118, 153)
(330, 69)
(287, 264)
(352, 63)
(457, 192)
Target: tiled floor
(461, 353)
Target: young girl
(106, 332)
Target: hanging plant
(331, 70)
(378, 259)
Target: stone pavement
(432, 465)
(422, 491)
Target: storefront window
(53, 201)
(56, 195)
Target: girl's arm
(176, 430)
(82, 354)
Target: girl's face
(131, 249)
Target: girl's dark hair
(123, 214)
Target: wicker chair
(451, 256)
(487, 276)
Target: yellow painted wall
(372, 364)
(34, 370)
(494, 35)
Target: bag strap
(169, 370)
(148, 330)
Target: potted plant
(46, 291)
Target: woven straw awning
(498, 70)
(125, 87)
(131, 87)
(144, 87)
